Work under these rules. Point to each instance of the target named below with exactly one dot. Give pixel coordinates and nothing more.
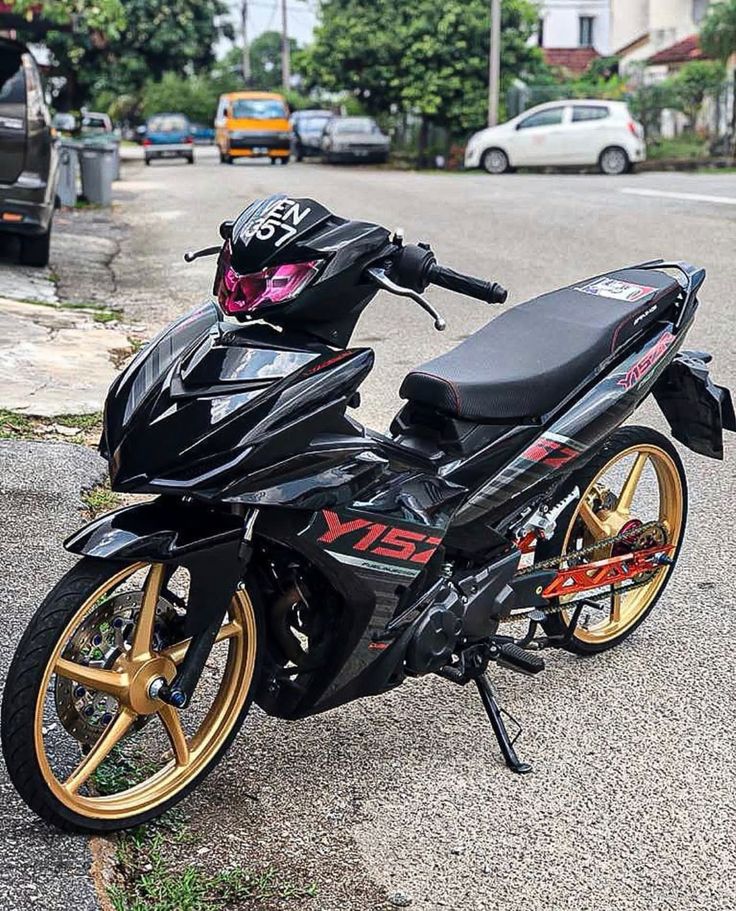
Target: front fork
(204, 627)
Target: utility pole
(494, 63)
(244, 33)
(285, 50)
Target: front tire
(649, 461)
(614, 161)
(50, 678)
(495, 161)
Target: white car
(561, 133)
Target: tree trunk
(423, 142)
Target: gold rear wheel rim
(627, 609)
(129, 681)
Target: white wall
(561, 23)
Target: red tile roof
(680, 52)
(574, 59)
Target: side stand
(499, 728)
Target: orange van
(253, 125)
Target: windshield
(356, 125)
(258, 109)
(170, 123)
(313, 124)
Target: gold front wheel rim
(627, 609)
(129, 682)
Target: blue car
(203, 135)
(168, 136)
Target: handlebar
(415, 266)
(478, 288)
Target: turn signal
(11, 216)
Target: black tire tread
(24, 679)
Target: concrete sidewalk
(40, 484)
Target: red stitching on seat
(441, 379)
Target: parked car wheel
(34, 249)
(190, 159)
(148, 161)
(614, 161)
(495, 161)
(225, 158)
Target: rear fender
(697, 410)
(208, 543)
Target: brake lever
(379, 276)
(205, 251)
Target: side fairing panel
(569, 439)
(377, 553)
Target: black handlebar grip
(478, 288)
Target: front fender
(207, 543)
(164, 530)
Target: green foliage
(686, 145)
(265, 61)
(157, 36)
(196, 96)
(104, 16)
(648, 102)
(718, 31)
(423, 57)
(693, 82)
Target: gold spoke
(591, 520)
(94, 677)
(176, 652)
(172, 722)
(615, 613)
(143, 634)
(113, 734)
(623, 507)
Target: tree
(424, 57)
(718, 38)
(265, 61)
(196, 96)
(104, 16)
(693, 83)
(152, 38)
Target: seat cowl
(526, 361)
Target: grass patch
(151, 882)
(105, 315)
(99, 500)
(683, 146)
(75, 428)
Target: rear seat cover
(524, 362)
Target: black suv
(29, 162)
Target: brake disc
(97, 642)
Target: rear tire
(494, 161)
(614, 161)
(34, 249)
(626, 438)
(190, 159)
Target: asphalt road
(633, 803)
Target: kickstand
(495, 715)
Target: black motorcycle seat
(527, 360)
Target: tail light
(147, 142)
(189, 139)
(635, 129)
(267, 288)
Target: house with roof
(573, 33)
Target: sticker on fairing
(617, 290)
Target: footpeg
(515, 658)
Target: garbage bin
(68, 173)
(98, 172)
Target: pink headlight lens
(275, 285)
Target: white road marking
(694, 197)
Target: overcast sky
(265, 15)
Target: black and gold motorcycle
(293, 557)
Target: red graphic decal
(647, 361)
(323, 365)
(379, 539)
(336, 529)
(550, 452)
